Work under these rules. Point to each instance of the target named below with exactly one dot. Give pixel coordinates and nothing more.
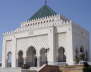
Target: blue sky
(13, 12)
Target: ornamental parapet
(55, 20)
(46, 20)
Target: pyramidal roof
(43, 12)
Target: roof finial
(45, 2)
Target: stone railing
(41, 67)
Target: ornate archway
(9, 59)
(31, 59)
(61, 55)
(20, 59)
(43, 56)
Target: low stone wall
(75, 68)
(25, 70)
(10, 70)
(15, 70)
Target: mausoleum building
(45, 38)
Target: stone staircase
(72, 68)
(50, 68)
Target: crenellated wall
(55, 20)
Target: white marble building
(45, 38)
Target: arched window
(61, 55)
(9, 59)
(43, 56)
(81, 49)
(20, 59)
(76, 56)
(82, 54)
(87, 55)
(31, 59)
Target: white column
(13, 52)
(24, 56)
(4, 54)
(38, 58)
(17, 60)
(51, 40)
(69, 48)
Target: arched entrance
(31, 59)
(9, 59)
(20, 59)
(61, 55)
(43, 56)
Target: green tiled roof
(43, 12)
